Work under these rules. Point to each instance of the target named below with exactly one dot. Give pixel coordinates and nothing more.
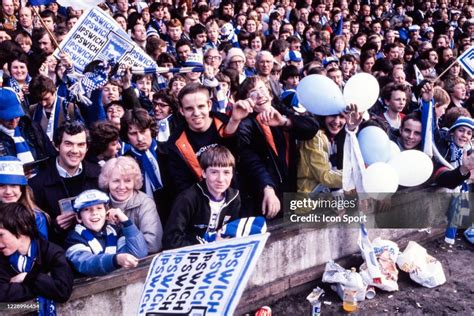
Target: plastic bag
(334, 273)
(423, 268)
(386, 252)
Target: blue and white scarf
(94, 244)
(23, 151)
(20, 264)
(149, 164)
(13, 83)
(53, 121)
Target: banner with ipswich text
(96, 36)
(204, 279)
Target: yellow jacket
(314, 166)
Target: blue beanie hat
(11, 171)
(10, 105)
(463, 121)
(89, 198)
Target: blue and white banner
(204, 279)
(466, 60)
(96, 36)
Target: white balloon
(394, 149)
(413, 167)
(363, 90)
(320, 95)
(374, 145)
(380, 177)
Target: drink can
(264, 311)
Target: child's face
(292, 82)
(9, 193)
(93, 217)
(9, 243)
(397, 101)
(462, 136)
(144, 85)
(218, 180)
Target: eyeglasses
(160, 104)
(213, 57)
(253, 94)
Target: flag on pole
(466, 60)
(419, 76)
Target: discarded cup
(314, 299)
(370, 293)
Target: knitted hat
(10, 105)
(11, 171)
(194, 60)
(89, 198)
(463, 121)
(293, 55)
(233, 52)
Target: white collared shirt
(64, 174)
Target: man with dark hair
(42, 41)
(139, 130)
(183, 49)
(51, 110)
(198, 35)
(203, 129)
(105, 142)
(63, 177)
(49, 19)
(278, 49)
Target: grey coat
(141, 210)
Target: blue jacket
(130, 240)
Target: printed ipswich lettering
(100, 21)
(206, 280)
(88, 37)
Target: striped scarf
(53, 121)
(94, 244)
(23, 151)
(15, 85)
(149, 164)
(20, 264)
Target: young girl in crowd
(14, 189)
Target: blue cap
(293, 55)
(463, 121)
(89, 198)
(10, 105)
(11, 171)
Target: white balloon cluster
(321, 96)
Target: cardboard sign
(96, 36)
(204, 279)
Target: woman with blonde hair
(122, 179)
